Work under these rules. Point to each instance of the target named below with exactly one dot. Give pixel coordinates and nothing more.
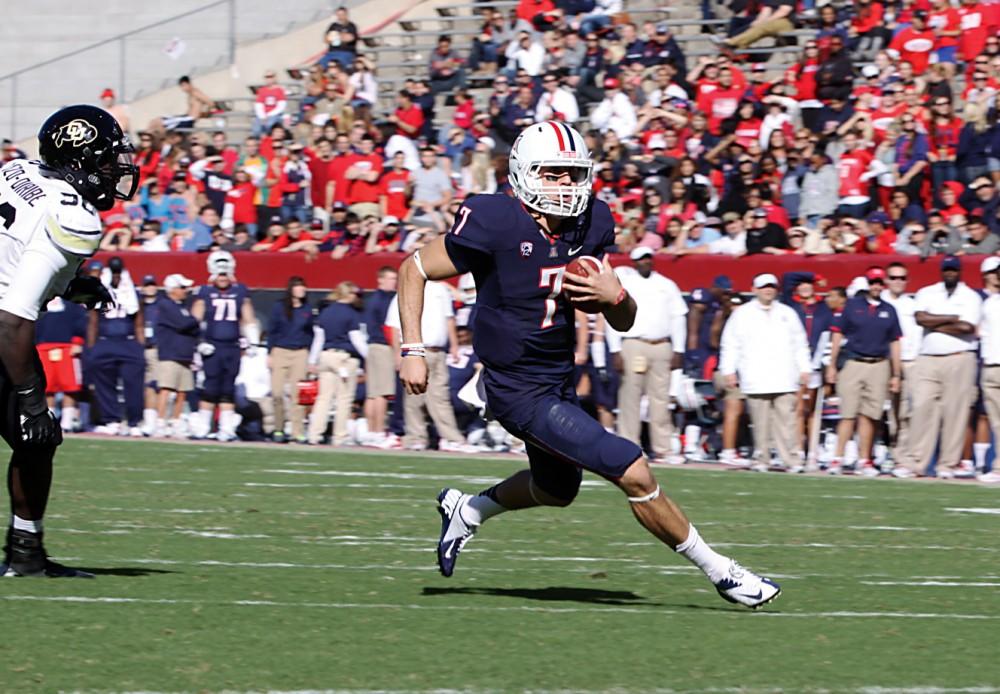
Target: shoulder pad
(482, 221)
(73, 229)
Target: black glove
(90, 292)
(38, 425)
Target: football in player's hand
(576, 267)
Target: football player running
(48, 209)
(517, 250)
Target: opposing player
(48, 210)
(517, 250)
(229, 326)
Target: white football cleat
(991, 477)
(455, 533)
(743, 587)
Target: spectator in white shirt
(902, 402)
(651, 348)
(733, 241)
(526, 53)
(556, 103)
(944, 384)
(764, 350)
(439, 334)
(616, 112)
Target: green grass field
(275, 568)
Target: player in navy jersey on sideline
(115, 339)
(60, 333)
(517, 249)
(229, 326)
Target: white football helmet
(221, 263)
(551, 145)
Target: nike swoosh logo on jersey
(574, 251)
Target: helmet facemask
(553, 198)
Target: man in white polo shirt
(896, 296)
(649, 350)
(764, 350)
(944, 384)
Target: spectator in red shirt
(147, 157)
(409, 120)
(230, 155)
(363, 173)
(320, 158)
(275, 231)
(720, 103)
(269, 108)
(384, 237)
(974, 23)
(943, 130)
(339, 164)
(877, 235)
(239, 206)
(396, 187)
(867, 31)
(915, 43)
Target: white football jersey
(46, 231)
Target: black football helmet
(85, 146)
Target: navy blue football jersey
(523, 329)
(223, 308)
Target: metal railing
(146, 59)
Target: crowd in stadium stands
(881, 139)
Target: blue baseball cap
(877, 217)
(950, 262)
(722, 282)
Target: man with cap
(646, 353)
(877, 236)
(765, 352)
(615, 112)
(945, 373)
(177, 334)
(895, 294)
(982, 195)
(115, 340)
(974, 239)
(871, 370)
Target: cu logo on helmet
(77, 132)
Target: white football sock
(68, 418)
(228, 421)
(149, 417)
(479, 509)
(979, 451)
(697, 551)
(31, 526)
(201, 423)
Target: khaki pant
(773, 419)
(437, 400)
(380, 371)
(338, 381)
(288, 367)
(990, 383)
(900, 414)
(944, 389)
(772, 27)
(863, 389)
(647, 370)
(152, 364)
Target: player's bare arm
(429, 263)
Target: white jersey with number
(46, 231)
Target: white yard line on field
(102, 600)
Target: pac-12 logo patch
(77, 132)
(526, 248)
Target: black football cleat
(24, 556)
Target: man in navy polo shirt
(872, 370)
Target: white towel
(125, 293)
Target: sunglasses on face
(897, 277)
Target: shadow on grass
(123, 571)
(592, 596)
